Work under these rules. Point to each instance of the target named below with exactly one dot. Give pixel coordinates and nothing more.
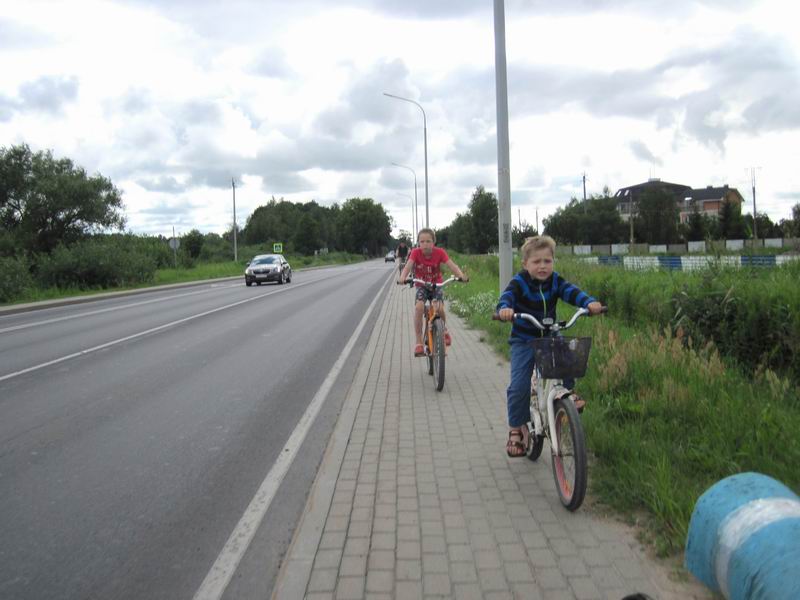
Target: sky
(172, 99)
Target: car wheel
(281, 279)
(289, 278)
(248, 283)
(258, 283)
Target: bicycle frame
(549, 390)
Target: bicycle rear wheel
(428, 348)
(438, 354)
(569, 465)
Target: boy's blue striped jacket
(538, 298)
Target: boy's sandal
(419, 350)
(515, 447)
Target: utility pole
(235, 246)
(630, 216)
(519, 217)
(584, 192)
(755, 214)
(503, 166)
(537, 221)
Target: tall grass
(666, 417)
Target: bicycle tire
(428, 353)
(570, 469)
(535, 446)
(438, 354)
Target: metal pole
(537, 221)
(503, 168)
(416, 204)
(755, 214)
(235, 245)
(413, 214)
(174, 247)
(425, 137)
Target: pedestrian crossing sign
(277, 247)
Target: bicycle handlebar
(431, 284)
(555, 326)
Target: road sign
(277, 247)
(174, 243)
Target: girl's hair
(431, 232)
(539, 242)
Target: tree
(595, 221)
(520, 233)
(364, 224)
(731, 224)
(46, 201)
(657, 218)
(483, 217)
(306, 237)
(193, 243)
(696, 230)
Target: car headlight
(248, 271)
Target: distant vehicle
(389, 257)
(267, 267)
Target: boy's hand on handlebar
(506, 314)
(595, 308)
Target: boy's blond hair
(539, 242)
(428, 231)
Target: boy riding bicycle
(534, 290)
(425, 260)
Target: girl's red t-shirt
(427, 267)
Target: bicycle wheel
(535, 445)
(438, 354)
(569, 465)
(428, 349)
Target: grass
(666, 419)
(199, 272)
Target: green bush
(101, 262)
(15, 278)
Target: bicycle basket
(562, 357)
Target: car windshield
(267, 260)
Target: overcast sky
(173, 98)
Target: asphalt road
(135, 432)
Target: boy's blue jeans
(518, 393)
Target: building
(708, 200)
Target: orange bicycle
(433, 330)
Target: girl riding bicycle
(534, 290)
(426, 260)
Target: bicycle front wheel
(569, 466)
(438, 354)
(428, 348)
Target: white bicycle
(553, 412)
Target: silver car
(267, 267)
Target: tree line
(61, 227)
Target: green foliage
(306, 227)
(483, 219)
(595, 221)
(46, 202)
(15, 278)
(100, 262)
(666, 418)
(656, 220)
(363, 226)
(192, 243)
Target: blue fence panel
(670, 262)
(611, 260)
(758, 261)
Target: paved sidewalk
(416, 498)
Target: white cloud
(173, 99)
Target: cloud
(776, 112)
(271, 63)
(48, 94)
(642, 152)
(162, 184)
(16, 36)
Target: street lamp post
(416, 205)
(235, 245)
(413, 212)
(425, 134)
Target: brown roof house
(708, 200)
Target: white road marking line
(218, 578)
(152, 330)
(106, 310)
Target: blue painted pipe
(744, 539)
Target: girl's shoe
(515, 446)
(419, 350)
(447, 339)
